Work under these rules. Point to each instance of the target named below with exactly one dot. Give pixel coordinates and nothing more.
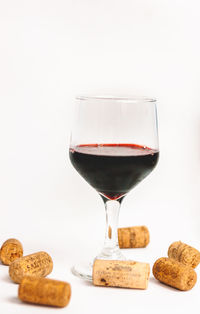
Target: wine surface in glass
(113, 169)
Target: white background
(51, 51)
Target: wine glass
(114, 146)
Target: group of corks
(176, 270)
(29, 272)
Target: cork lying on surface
(174, 273)
(125, 274)
(44, 291)
(11, 250)
(38, 264)
(133, 237)
(184, 254)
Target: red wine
(113, 169)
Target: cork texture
(125, 274)
(38, 264)
(184, 253)
(44, 291)
(133, 237)
(174, 273)
(10, 251)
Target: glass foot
(111, 254)
(84, 270)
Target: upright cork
(174, 274)
(11, 250)
(133, 237)
(184, 253)
(44, 291)
(38, 264)
(125, 274)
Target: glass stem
(111, 247)
(112, 216)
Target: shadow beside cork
(7, 279)
(14, 300)
(154, 281)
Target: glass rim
(133, 99)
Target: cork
(44, 291)
(10, 251)
(174, 273)
(38, 264)
(133, 237)
(184, 253)
(125, 274)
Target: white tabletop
(70, 236)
